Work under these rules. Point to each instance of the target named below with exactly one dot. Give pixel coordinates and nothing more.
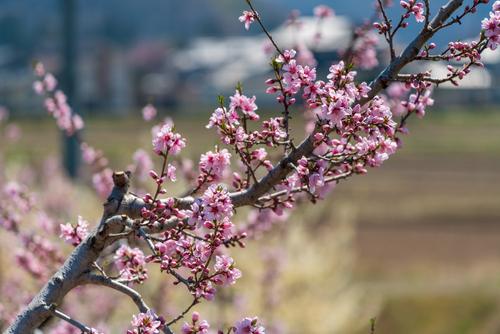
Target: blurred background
(414, 244)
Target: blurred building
(121, 77)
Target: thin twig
(75, 323)
(268, 34)
(120, 287)
(180, 316)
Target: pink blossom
(227, 274)
(305, 56)
(38, 87)
(149, 112)
(260, 221)
(165, 141)
(20, 198)
(397, 92)
(286, 56)
(245, 104)
(56, 102)
(418, 11)
(77, 121)
(103, 182)
(491, 26)
(171, 172)
(496, 6)
(364, 51)
(213, 164)
(249, 326)
(142, 164)
(415, 8)
(89, 154)
(74, 234)
(216, 203)
(196, 326)
(131, 262)
(29, 263)
(145, 323)
(50, 82)
(323, 11)
(248, 18)
(45, 222)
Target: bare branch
(115, 285)
(268, 34)
(277, 194)
(52, 309)
(412, 50)
(388, 33)
(120, 287)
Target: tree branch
(80, 260)
(68, 319)
(119, 202)
(120, 287)
(412, 50)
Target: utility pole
(70, 147)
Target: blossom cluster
(146, 323)
(233, 127)
(196, 326)
(411, 7)
(15, 202)
(209, 219)
(102, 174)
(491, 26)
(56, 102)
(74, 234)
(364, 52)
(142, 164)
(93, 157)
(244, 326)
(213, 165)
(249, 326)
(37, 255)
(258, 222)
(415, 8)
(165, 141)
(420, 100)
(131, 263)
(365, 133)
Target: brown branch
(119, 202)
(120, 287)
(412, 50)
(277, 194)
(268, 34)
(306, 148)
(387, 34)
(80, 261)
